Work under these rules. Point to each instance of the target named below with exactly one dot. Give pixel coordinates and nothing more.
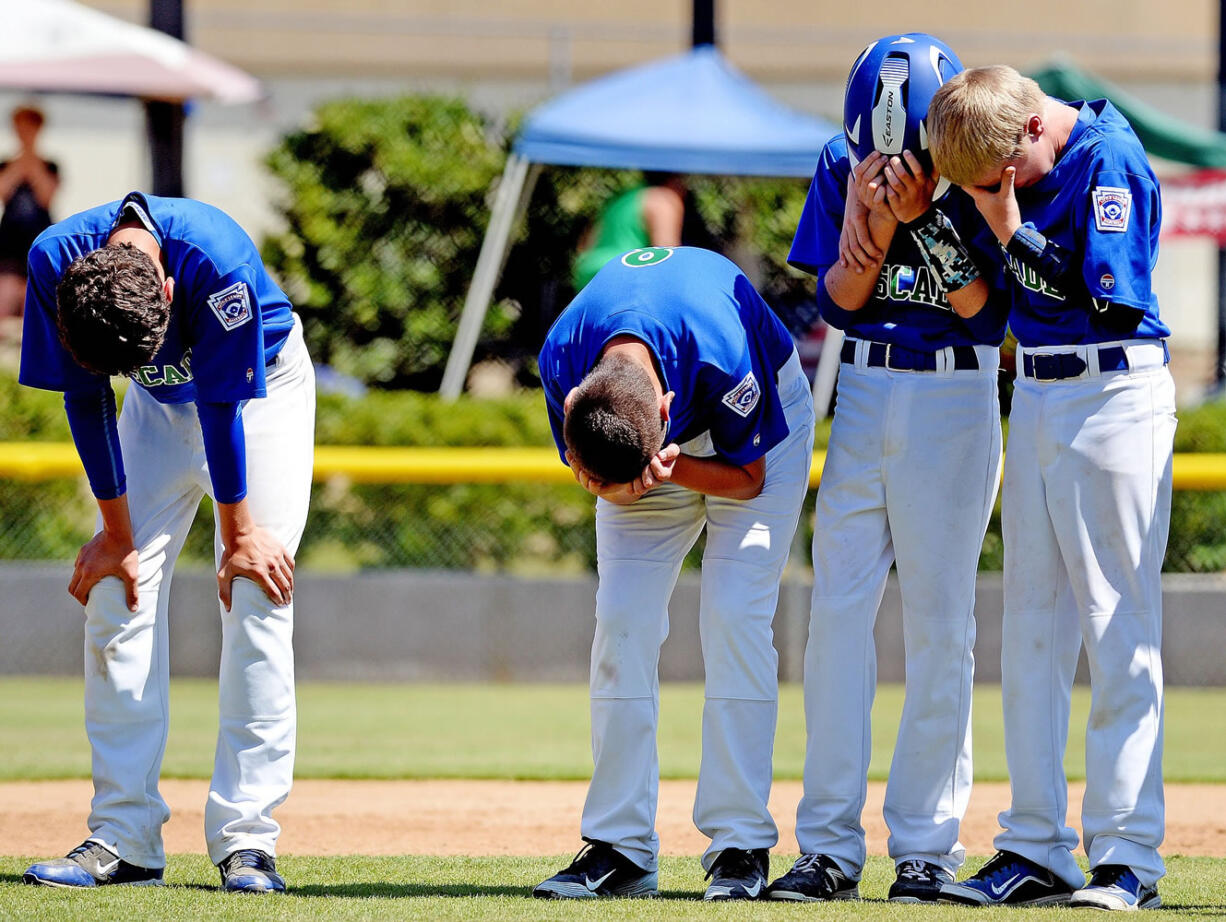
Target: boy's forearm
(970, 299)
(719, 478)
(233, 521)
(849, 289)
(116, 518)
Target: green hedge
(385, 204)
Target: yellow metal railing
(370, 464)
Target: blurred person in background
(660, 212)
(27, 185)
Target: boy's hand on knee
(105, 555)
(261, 558)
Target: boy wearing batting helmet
(677, 398)
(910, 476)
(172, 294)
(1070, 195)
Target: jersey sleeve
(815, 246)
(92, 421)
(45, 363)
(225, 331)
(221, 429)
(1122, 211)
(747, 417)
(553, 405)
(551, 369)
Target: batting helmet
(889, 88)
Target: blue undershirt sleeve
(221, 425)
(91, 417)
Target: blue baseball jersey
(909, 306)
(716, 343)
(227, 321)
(1101, 203)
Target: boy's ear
(1035, 126)
(570, 399)
(168, 289)
(666, 402)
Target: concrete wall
(459, 626)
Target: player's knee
(625, 654)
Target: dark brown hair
(113, 313)
(30, 114)
(614, 426)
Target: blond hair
(977, 120)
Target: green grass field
(496, 889)
(479, 731)
(512, 731)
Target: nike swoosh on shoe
(1011, 884)
(594, 885)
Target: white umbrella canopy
(62, 46)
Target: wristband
(1051, 261)
(943, 250)
(1027, 244)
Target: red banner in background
(1194, 205)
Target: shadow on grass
(389, 891)
(1203, 911)
(10, 878)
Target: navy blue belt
(898, 358)
(1060, 366)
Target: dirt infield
(509, 818)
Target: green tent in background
(1162, 135)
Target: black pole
(164, 120)
(704, 22)
(1219, 375)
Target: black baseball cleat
(738, 874)
(90, 864)
(1115, 887)
(250, 870)
(1009, 880)
(598, 870)
(814, 878)
(918, 881)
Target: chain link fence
(518, 528)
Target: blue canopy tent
(692, 113)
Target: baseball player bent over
(910, 479)
(172, 293)
(1070, 195)
(677, 398)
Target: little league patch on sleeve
(744, 397)
(232, 306)
(1112, 208)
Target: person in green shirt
(651, 214)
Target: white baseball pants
(127, 654)
(910, 479)
(1086, 510)
(640, 549)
